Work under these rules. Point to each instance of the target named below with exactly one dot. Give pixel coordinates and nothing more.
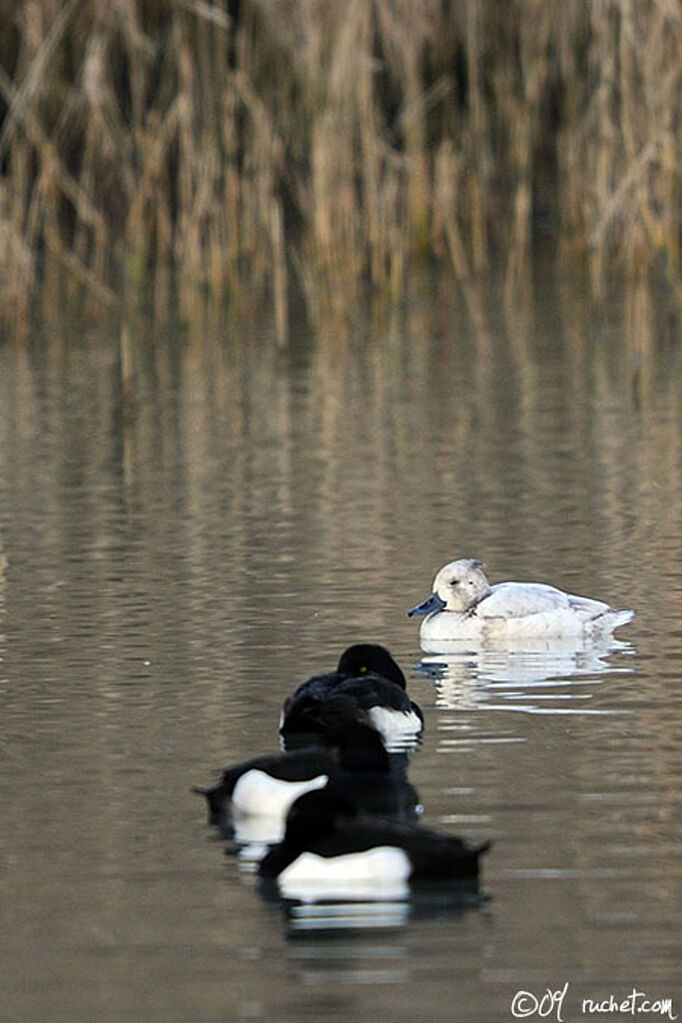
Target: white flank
(258, 793)
(380, 873)
(559, 623)
(399, 729)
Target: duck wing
(588, 606)
(310, 717)
(373, 690)
(432, 853)
(519, 600)
(377, 793)
(317, 688)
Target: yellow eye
(362, 669)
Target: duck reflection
(540, 672)
(353, 910)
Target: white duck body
(464, 605)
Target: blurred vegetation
(238, 147)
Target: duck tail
(214, 798)
(614, 619)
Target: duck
(266, 786)
(369, 686)
(463, 605)
(329, 847)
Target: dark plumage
(361, 770)
(368, 685)
(326, 824)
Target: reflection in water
(329, 959)
(538, 671)
(352, 909)
(255, 832)
(3, 590)
(338, 890)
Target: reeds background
(175, 147)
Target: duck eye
(362, 669)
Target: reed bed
(171, 148)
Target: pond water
(173, 565)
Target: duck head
(458, 587)
(370, 658)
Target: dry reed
(162, 147)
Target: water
(171, 571)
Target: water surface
(170, 570)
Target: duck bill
(432, 603)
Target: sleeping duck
(368, 686)
(266, 786)
(329, 849)
(464, 605)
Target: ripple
(526, 678)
